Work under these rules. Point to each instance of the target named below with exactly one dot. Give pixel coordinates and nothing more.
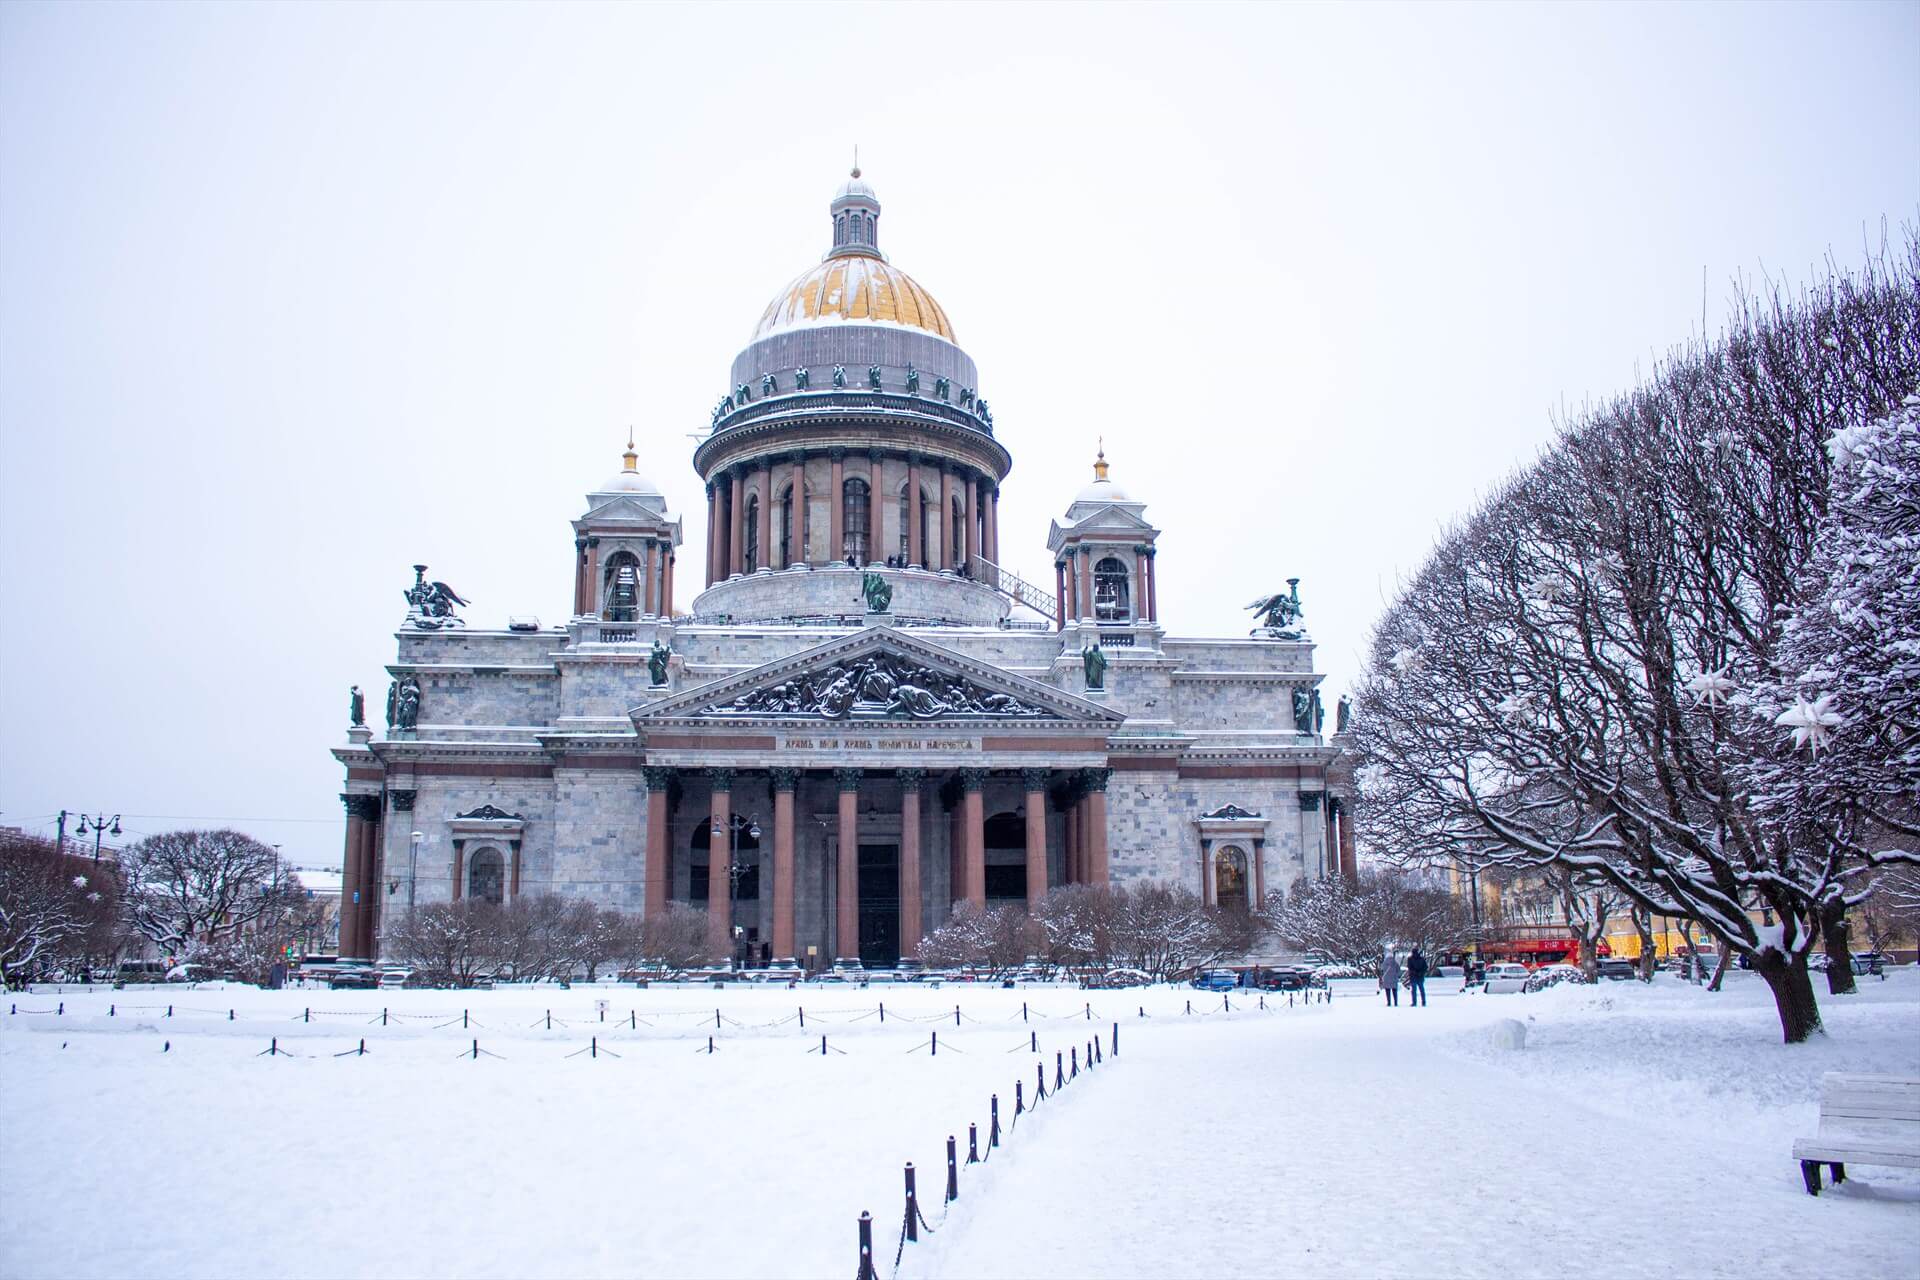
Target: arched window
(856, 515)
(486, 876)
(622, 591)
(1005, 838)
(787, 555)
(701, 863)
(1110, 591)
(750, 557)
(1230, 878)
(957, 537)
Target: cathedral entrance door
(879, 905)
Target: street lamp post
(100, 828)
(730, 832)
(413, 866)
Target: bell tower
(625, 547)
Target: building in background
(865, 719)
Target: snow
(1343, 1139)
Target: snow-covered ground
(1641, 1131)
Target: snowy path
(1363, 1147)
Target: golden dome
(855, 287)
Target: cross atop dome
(856, 219)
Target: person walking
(1390, 978)
(1416, 979)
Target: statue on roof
(356, 707)
(1093, 664)
(657, 663)
(877, 590)
(943, 387)
(913, 380)
(839, 375)
(1277, 617)
(802, 378)
(430, 605)
(1343, 714)
(873, 376)
(768, 384)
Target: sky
(295, 296)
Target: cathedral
(861, 721)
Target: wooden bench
(1863, 1120)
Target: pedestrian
(1416, 978)
(1390, 978)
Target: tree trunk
(1589, 957)
(1720, 970)
(1834, 938)
(1792, 989)
(1643, 925)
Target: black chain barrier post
(956, 1015)
(883, 1013)
(229, 1014)
(953, 1171)
(383, 1017)
(1040, 1081)
(463, 1019)
(1023, 1011)
(716, 1019)
(1059, 1070)
(709, 1044)
(1096, 1050)
(1116, 1039)
(803, 1019)
(306, 1015)
(973, 1144)
(913, 1207)
(1226, 1004)
(1089, 1012)
(823, 1047)
(866, 1271)
(169, 1011)
(1189, 1006)
(1019, 1103)
(1143, 1011)
(1075, 1051)
(993, 1130)
(934, 1046)
(1033, 1042)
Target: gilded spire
(632, 458)
(1100, 461)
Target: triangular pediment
(877, 675)
(627, 509)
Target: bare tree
(992, 939)
(452, 942)
(1555, 686)
(191, 888)
(1356, 922)
(47, 902)
(675, 939)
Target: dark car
(1618, 970)
(1217, 980)
(1870, 962)
(356, 979)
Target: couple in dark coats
(1416, 978)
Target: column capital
(837, 454)
(366, 808)
(786, 779)
(1310, 800)
(1095, 779)
(659, 777)
(580, 544)
(593, 540)
(401, 801)
(876, 456)
(911, 779)
(848, 779)
(973, 779)
(1035, 779)
(710, 489)
(720, 778)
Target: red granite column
(1153, 586)
(666, 587)
(916, 554)
(911, 930)
(658, 875)
(874, 496)
(797, 531)
(579, 576)
(593, 576)
(974, 834)
(646, 579)
(713, 533)
(941, 555)
(836, 504)
(737, 537)
(459, 869)
(1086, 581)
(513, 884)
(765, 531)
(1097, 827)
(1141, 594)
(370, 898)
(1060, 595)
(846, 942)
(1259, 873)
(1036, 784)
(785, 782)
(350, 877)
(1072, 812)
(1349, 856)
(720, 867)
(992, 535)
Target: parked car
(1216, 980)
(1619, 970)
(1506, 977)
(1869, 962)
(394, 976)
(355, 978)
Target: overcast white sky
(292, 297)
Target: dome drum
(857, 422)
(854, 347)
(831, 595)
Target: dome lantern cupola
(856, 220)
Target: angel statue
(879, 594)
(430, 604)
(657, 663)
(1278, 616)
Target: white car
(1507, 977)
